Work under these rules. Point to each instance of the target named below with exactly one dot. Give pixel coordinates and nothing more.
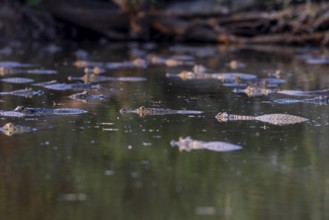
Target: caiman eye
(19, 108)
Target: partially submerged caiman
(189, 144)
(22, 111)
(143, 111)
(54, 85)
(315, 100)
(276, 119)
(96, 78)
(262, 89)
(13, 71)
(17, 80)
(10, 129)
(72, 86)
(85, 96)
(199, 72)
(28, 92)
(224, 77)
(47, 111)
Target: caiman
(224, 77)
(304, 92)
(136, 63)
(28, 92)
(17, 80)
(11, 113)
(54, 85)
(47, 111)
(84, 96)
(276, 119)
(189, 144)
(256, 89)
(143, 111)
(262, 89)
(96, 78)
(10, 129)
(169, 61)
(316, 100)
(71, 86)
(14, 71)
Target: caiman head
(83, 95)
(186, 75)
(9, 129)
(20, 108)
(182, 143)
(123, 111)
(143, 111)
(222, 117)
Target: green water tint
(103, 165)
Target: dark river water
(105, 165)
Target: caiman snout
(123, 111)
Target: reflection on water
(104, 165)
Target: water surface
(104, 165)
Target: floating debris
(11, 129)
(189, 144)
(17, 80)
(143, 111)
(276, 119)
